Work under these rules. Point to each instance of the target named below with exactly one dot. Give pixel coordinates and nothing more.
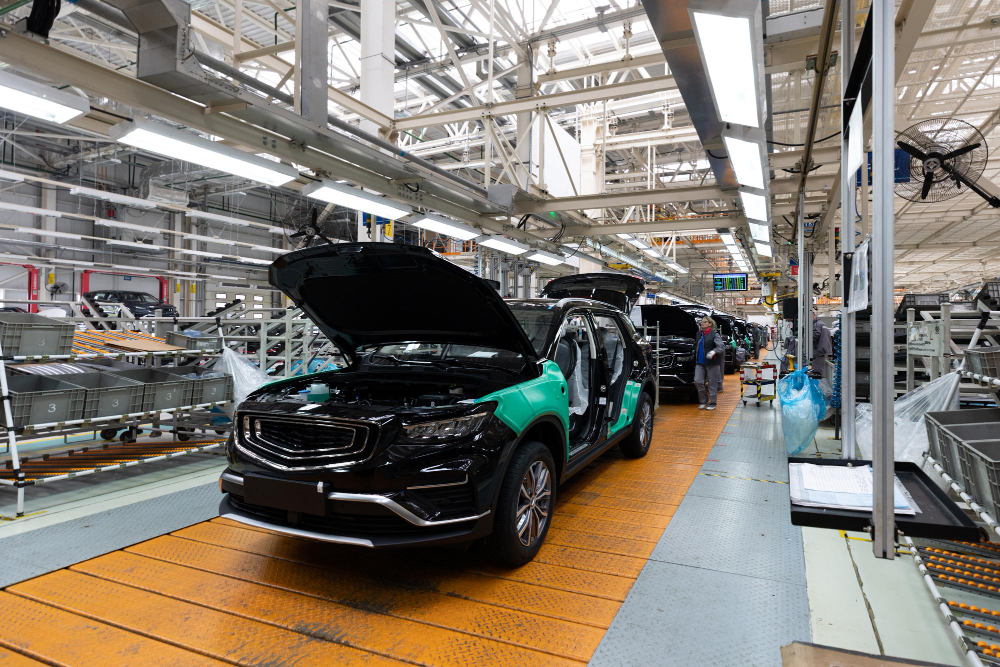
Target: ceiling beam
(536, 103)
(706, 223)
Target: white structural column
(47, 276)
(882, 371)
(805, 290)
(311, 60)
(378, 67)
(848, 376)
(523, 89)
(378, 57)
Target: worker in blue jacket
(710, 357)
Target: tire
(109, 433)
(636, 444)
(505, 544)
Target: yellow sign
(619, 266)
(193, 288)
(52, 277)
(387, 230)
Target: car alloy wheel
(645, 423)
(533, 503)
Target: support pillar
(311, 60)
(848, 320)
(48, 275)
(378, 67)
(378, 58)
(882, 370)
(524, 88)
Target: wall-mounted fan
(944, 156)
(56, 288)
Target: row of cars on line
(677, 336)
(460, 413)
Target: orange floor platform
(220, 592)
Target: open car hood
(379, 293)
(614, 289)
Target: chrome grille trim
(272, 455)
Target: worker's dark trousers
(707, 379)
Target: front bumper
(676, 380)
(359, 519)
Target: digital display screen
(730, 282)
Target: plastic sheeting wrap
(910, 441)
(802, 407)
(247, 376)
(579, 389)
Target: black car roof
(569, 302)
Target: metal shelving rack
(19, 476)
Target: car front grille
(305, 443)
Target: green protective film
(629, 401)
(521, 404)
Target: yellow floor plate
(221, 592)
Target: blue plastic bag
(802, 406)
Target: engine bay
(368, 389)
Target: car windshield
(672, 321)
(539, 321)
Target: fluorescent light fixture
(181, 145)
(571, 246)
(38, 100)
(264, 248)
(503, 245)
(763, 249)
(677, 267)
(201, 253)
(45, 232)
(11, 176)
(103, 222)
(748, 160)
(632, 241)
(183, 273)
(435, 223)
(18, 208)
(250, 260)
(727, 238)
(131, 244)
(731, 47)
(754, 205)
(111, 196)
(546, 258)
(652, 253)
(353, 198)
(760, 231)
(209, 239)
(205, 215)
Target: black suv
(140, 304)
(678, 335)
(459, 415)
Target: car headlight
(454, 428)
